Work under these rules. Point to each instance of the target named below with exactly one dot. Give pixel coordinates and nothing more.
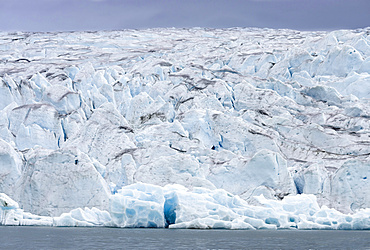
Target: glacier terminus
(238, 128)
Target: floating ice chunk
(209, 223)
(83, 218)
(6, 203)
(213, 209)
(35, 220)
(240, 224)
(297, 204)
(138, 205)
(145, 205)
(10, 214)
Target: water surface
(116, 238)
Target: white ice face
(174, 206)
(111, 121)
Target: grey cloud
(50, 15)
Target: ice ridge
(237, 128)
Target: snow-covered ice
(174, 206)
(236, 128)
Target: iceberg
(174, 206)
(238, 128)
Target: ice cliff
(186, 128)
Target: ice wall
(174, 206)
(251, 112)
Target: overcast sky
(69, 15)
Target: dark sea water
(115, 238)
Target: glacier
(238, 128)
